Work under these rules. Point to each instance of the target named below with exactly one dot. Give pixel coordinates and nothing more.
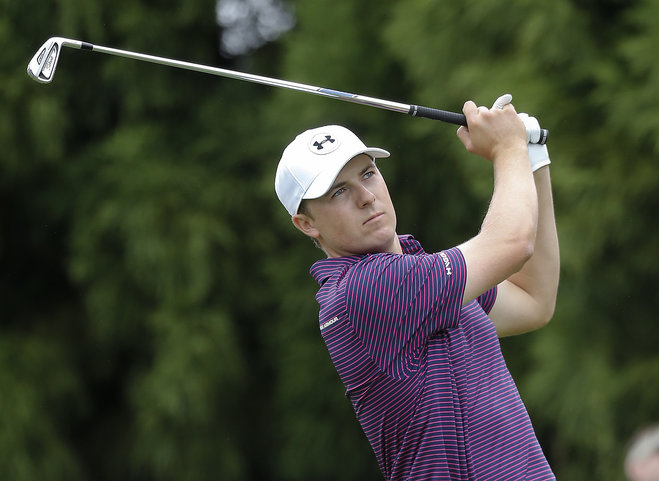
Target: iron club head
(42, 66)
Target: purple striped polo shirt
(425, 376)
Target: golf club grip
(436, 114)
(456, 118)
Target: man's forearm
(507, 236)
(513, 212)
(539, 276)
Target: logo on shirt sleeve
(327, 324)
(447, 263)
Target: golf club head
(42, 66)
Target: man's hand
(538, 153)
(492, 133)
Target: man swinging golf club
(414, 336)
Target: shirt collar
(323, 269)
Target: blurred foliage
(157, 317)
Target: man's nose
(366, 197)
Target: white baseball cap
(311, 163)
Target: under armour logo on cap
(319, 145)
(323, 143)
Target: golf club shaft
(414, 110)
(451, 117)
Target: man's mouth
(373, 217)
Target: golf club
(42, 69)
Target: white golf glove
(538, 153)
(502, 101)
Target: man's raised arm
(507, 236)
(526, 300)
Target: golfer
(413, 335)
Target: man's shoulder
(323, 269)
(341, 267)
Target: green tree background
(157, 318)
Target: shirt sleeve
(396, 302)
(486, 300)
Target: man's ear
(305, 224)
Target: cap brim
(325, 179)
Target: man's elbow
(522, 251)
(545, 318)
(534, 321)
(541, 311)
(546, 312)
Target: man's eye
(369, 174)
(338, 192)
